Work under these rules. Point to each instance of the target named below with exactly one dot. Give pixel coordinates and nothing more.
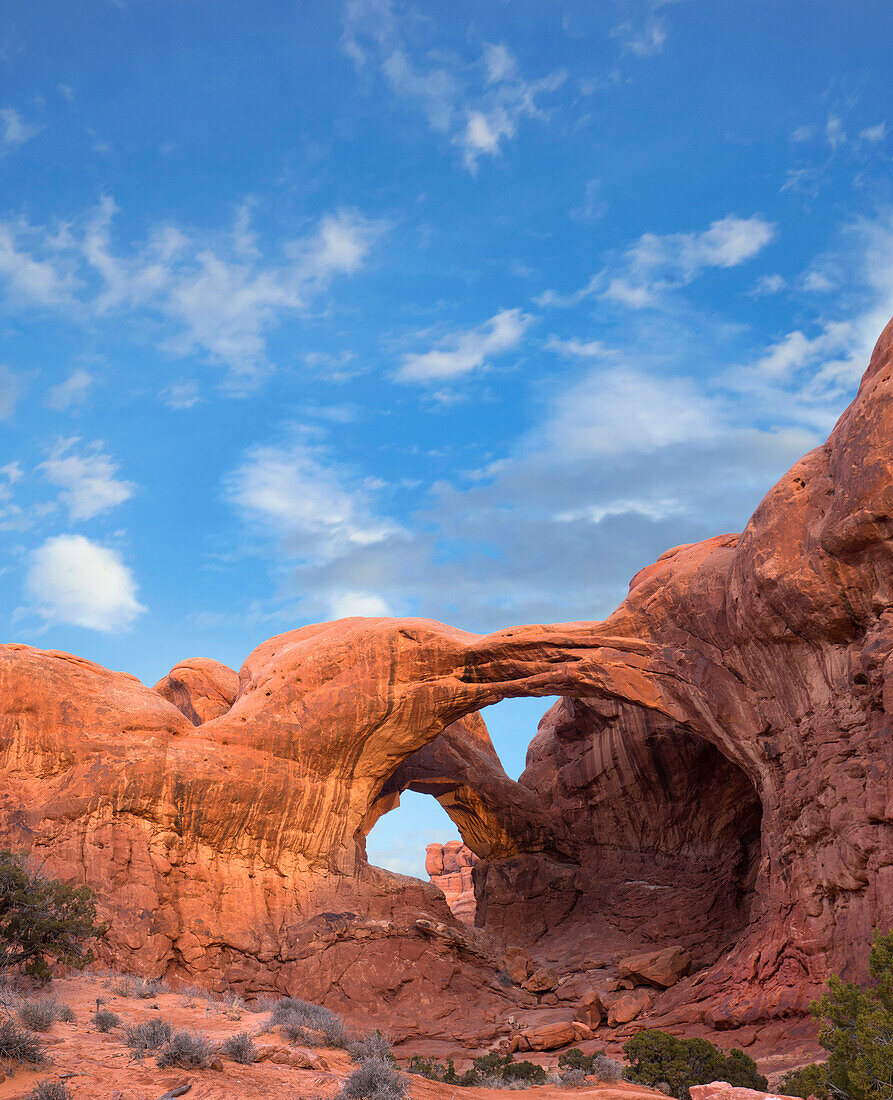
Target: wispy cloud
(88, 479)
(481, 104)
(15, 130)
(10, 391)
(216, 295)
(644, 39)
(656, 263)
(462, 352)
(71, 392)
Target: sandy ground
(104, 1070)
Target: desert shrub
(18, 1045)
(656, 1056)
(857, 1030)
(240, 1048)
(433, 1070)
(146, 1036)
(811, 1080)
(186, 1049)
(503, 1070)
(308, 1024)
(606, 1069)
(263, 1003)
(573, 1078)
(43, 920)
(574, 1058)
(50, 1090)
(596, 1065)
(375, 1079)
(373, 1045)
(137, 988)
(40, 1013)
(104, 1019)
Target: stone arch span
(227, 849)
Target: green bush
(502, 1067)
(811, 1080)
(42, 919)
(656, 1057)
(576, 1059)
(857, 1029)
(433, 1070)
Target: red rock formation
(724, 764)
(449, 868)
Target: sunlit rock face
(718, 773)
(449, 868)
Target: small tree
(656, 1056)
(42, 919)
(857, 1030)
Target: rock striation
(717, 778)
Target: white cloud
(73, 391)
(16, 131)
(803, 133)
(646, 40)
(182, 394)
(340, 245)
(835, 134)
(874, 134)
(30, 279)
(88, 480)
(73, 580)
(659, 262)
(768, 284)
(467, 350)
(481, 104)
(345, 605)
(318, 511)
(579, 349)
(624, 410)
(436, 90)
(10, 391)
(500, 63)
(212, 293)
(728, 242)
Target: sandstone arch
(229, 848)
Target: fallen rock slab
(627, 1006)
(662, 968)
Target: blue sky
(464, 310)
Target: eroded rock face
(449, 869)
(725, 737)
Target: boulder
(543, 980)
(546, 1037)
(721, 1090)
(662, 968)
(590, 1009)
(627, 1006)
